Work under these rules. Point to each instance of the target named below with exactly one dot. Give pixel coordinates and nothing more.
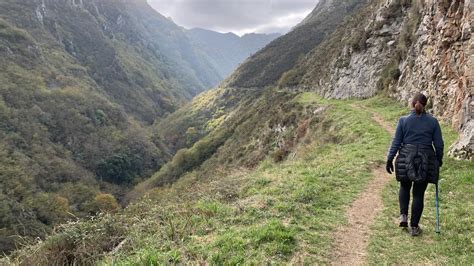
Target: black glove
(389, 167)
(440, 162)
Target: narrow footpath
(352, 239)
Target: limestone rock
(463, 148)
(438, 61)
(443, 57)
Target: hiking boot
(415, 231)
(403, 220)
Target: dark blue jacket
(414, 129)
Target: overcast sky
(238, 16)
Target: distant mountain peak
(228, 50)
(250, 34)
(265, 34)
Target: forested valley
(126, 139)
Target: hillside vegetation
(278, 212)
(259, 170)
(240, 130)
(81, 83)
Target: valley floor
(297, 211)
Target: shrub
(76, 243)
(390, 73)
(358, 40)
(117, 169)
(50, 209)
(279, 155)
(103, 203)
(290, 78)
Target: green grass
(280, 213)
(277, 213)
(455, 245)
(76, 106)
(387, 108)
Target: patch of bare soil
(352, 239)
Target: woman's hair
(419, 102)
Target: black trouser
(417, 204)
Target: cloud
(238, 16)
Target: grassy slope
(79, 87)
(454, 246)
(60, 133)
(287, 212)
(277, 213)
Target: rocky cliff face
(401, 47)
(443, 60)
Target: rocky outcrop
(440, 64)
(405, 47)
(350, 63)
(361, 70)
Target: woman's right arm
(397, 141)
(438, 142)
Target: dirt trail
(352, 239)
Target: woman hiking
(417, 164)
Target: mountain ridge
(228, 50)
(285, 51)
(265, 164)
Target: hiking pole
(437, 209)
